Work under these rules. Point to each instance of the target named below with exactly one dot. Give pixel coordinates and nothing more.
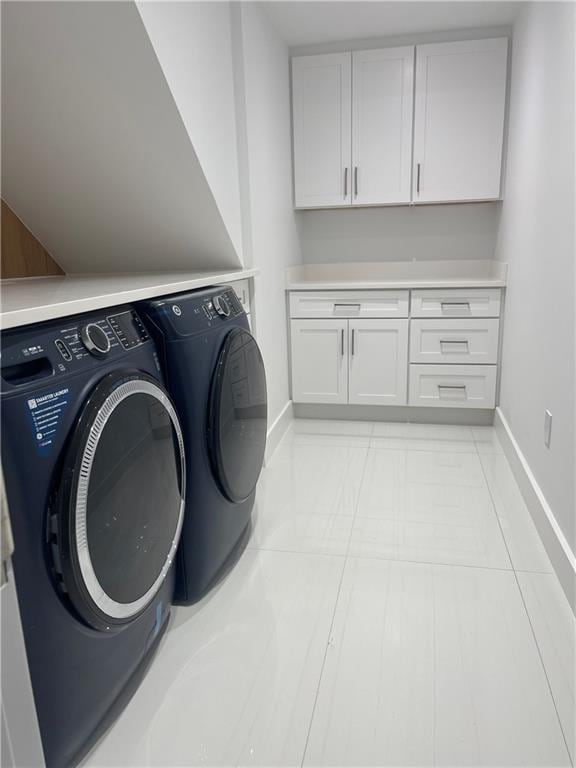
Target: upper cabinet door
(459, 120)
(383, 82)
(322, 92)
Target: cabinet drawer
(337, 304)
(454, 341)
(453, 302)
(453, 386)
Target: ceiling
(309, 22)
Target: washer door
(237, 417)
(119, 514)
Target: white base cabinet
(349, 361)
(378, 357)
(319, 361)
(443, 352)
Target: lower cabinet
(350, 361)
(377, 362)
(320, 361)
(425, 347)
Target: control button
(95, 340)
(222, 306)
(176, 309)
(63, 349)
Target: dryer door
(117, 521)
(237, 418)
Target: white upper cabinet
(354, 140)
(459, 120)
(322, 104)
(382, 88)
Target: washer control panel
(128, 329)
(62, 346)
(223, 305)
(186, 314)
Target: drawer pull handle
(454, 341)
(455, 387)
(346, 309)
(455, 304)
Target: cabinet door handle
(342, 342)
(346, 182)
(353, 340)
(418, 178)
(355, 181)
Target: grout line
(317, 553)
(534, 637)
(409, 561)
(324, 659)
(322, 666)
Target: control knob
(95, 340)
(221, 305)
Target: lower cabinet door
(378, 368)
(319, 361)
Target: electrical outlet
(547, 428)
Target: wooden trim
(22, 254)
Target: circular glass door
(121, 505)
(238, 416)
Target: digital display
(128, 329)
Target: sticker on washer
(45, 412)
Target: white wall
(273, 235)
(192, 41)
(96, 160)
(399, 233)
(536, 238)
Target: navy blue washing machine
(215, 375)
(93, 460)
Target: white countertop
(33, 300)
(397, 274)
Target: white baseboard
(555, 543)
(277, 430)
(403, 413)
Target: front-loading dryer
(215, 375)
(94, 468)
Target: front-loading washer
(215, 374)
(94, 467)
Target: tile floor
(394, 608)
